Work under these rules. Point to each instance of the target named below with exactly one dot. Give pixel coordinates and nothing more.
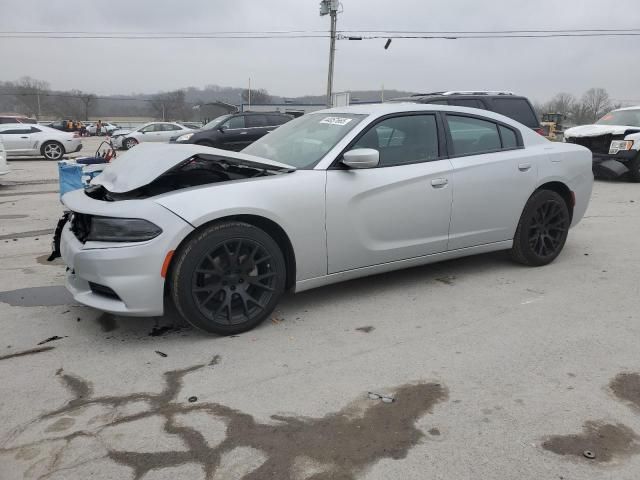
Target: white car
(22, 139)
(107, 129)
(150, 132)
(330, 196)
(614, 141)
(4, 167)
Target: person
(83, 129)
(98, 127)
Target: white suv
(22, 139)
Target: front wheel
(542, 230)
(228, 278)
(52, 151)
(129, 143)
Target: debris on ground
(26, 352)
(215, 360)
(367, 329)
(377, 396)
(162, 354)
(51, 339)
(193, 399)
(159, 331)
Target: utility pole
(330, 7)
(249, 94)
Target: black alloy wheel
(543, 229)
(229, 278)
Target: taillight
(539, 131)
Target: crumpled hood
(597, 130)
(120, 131)
(145, 162)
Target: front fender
(295, 201)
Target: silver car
(330, 196)
(23, 139)
(149, 132)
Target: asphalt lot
(498, 371)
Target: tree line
(591, 106)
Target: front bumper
(117, 141)
(613, 166)
(132, 271)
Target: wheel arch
(267, 225)
(561, 189)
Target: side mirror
(222, 128)
(361, 158)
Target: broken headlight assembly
(110, 229)
(620, 146)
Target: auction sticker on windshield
(336, 121)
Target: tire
(129, 143)
(52, 150)
(634, 169)
(217, 283)
(542, 230)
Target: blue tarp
(70, 177)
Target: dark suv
(506, 103)
(235, 131)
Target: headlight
(184, 138)
(107, 229)
(619, 146)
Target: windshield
(621, 117)
(303, 142)
(215, 122)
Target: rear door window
(517, 108)
(253, 121)
(473, 136)
(274, 120)
(467, 102)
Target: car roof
(637, 107)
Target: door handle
(524, 167)
(24, 137)
(243, 133)
(439, 182)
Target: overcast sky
(537, 68)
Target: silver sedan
(330, 196)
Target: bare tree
(593, 105)
(88, 100)
(170, 105)
(30, 93)
(257, 96)
(563, 103)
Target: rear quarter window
(517, 108)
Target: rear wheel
(129, 143)
(542, 230)
(228, 278)
(52, 150)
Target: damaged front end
(201, 169)
(613, 155)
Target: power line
(464, 37)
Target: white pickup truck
(614, 141)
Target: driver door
(397, 211)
